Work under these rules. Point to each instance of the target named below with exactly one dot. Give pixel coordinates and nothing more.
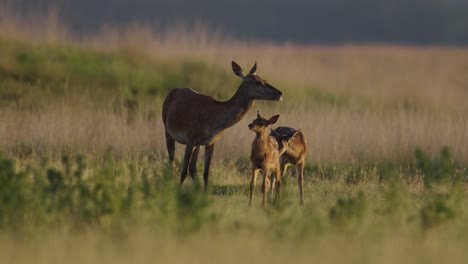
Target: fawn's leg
(278, 183)
(300, 178)
(283, 167)
(253, 183)
(271, 184)
(266, 174)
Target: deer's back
(187, 116)
(296, 150)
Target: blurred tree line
(306, 21)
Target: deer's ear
(274, 133)
(258, 114)
(273, 119)
(237, 70)
(294, 133)
(253, 71)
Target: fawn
(294, 153)
(265, 156)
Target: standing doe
(294, 153)
(265, 157)
(196, 120)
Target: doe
(195, 119)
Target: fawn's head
(283, 135)
(256, 87)
(260, 124)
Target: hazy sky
(316, 21)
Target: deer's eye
(260, 83)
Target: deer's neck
(236, 108)
(260, 145)
(262, 137)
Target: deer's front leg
(252, 184)
(278, 183)
(266, 174)
(271, 185)
(170, 144)
(209, 149)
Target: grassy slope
(34, 70)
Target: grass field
(83, 174)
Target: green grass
(81, 192)
(118, 201)
(29, 71)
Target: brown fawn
(294, 153)
(265, 156)
(196, 120)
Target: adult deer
(294, 153)
(265, 156)
(196, 120)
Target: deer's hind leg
(193, 164)
(187, 159)
(170, 144)
(300, 178)
(209, 149)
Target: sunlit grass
(112, 210)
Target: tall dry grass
(356, 136)
(354, 103)
(334, 135)
(78, 130)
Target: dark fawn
(265, 156)
(294, 153)
(195, 119)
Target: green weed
(347, 213)
(440, 170)
(437, 210)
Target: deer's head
(256, 87)
(283, 136)
(285, 132)
(260, 124)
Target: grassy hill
(31, 71)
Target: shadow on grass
(229, 189)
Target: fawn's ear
(237, 70)
(258, 114)
(294, 133)
(253, 71)
(273, 119)
(275, 134)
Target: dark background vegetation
(317, 21)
